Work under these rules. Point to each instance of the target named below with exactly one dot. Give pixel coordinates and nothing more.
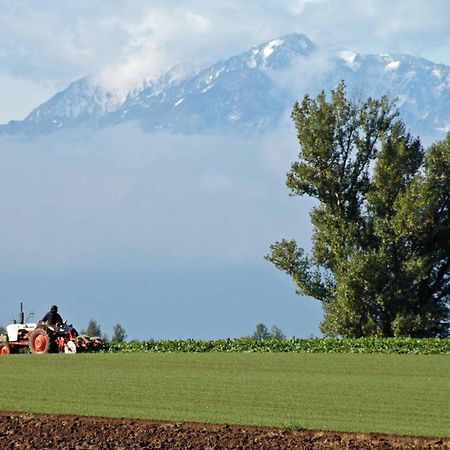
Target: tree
(119, 334)
(380, 259)
(262, 332)
(2, 330)
(93, 329)
(276, 333)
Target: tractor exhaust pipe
(22, 314)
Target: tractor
(42, 338)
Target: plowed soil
(39, 431)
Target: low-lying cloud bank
(165, 200)
(105, 218)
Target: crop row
(311, 345)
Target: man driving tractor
(52, 317)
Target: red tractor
(41, 338)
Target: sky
(164, 234)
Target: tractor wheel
(39, 342)
(5, 349)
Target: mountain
(237, 94)
(252, 92)
(422, 88)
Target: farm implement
(41, 338)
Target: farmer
(52, 317)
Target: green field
(400, 394)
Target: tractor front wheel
(5, 349)
(39, 342)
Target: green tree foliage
(262, 332)
(276, 333)
(119, 334)
(93, 329)
(380, 258)
(2, 330)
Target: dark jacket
(52, 317)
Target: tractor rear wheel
(5, 349)
(39, 341)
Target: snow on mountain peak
(84, 97)
(349, 57)
(278, 53)
(393, 65)
(437, 73)
(251, 91)
(268, 49)
(122, 87)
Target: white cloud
(299, 6)
(417, 27)
(307, 70)
(173, 227)
(53, 43)
(158, 201)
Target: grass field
(399, 394)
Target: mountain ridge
(252, 92)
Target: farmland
(396, 394)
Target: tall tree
(276, 332)
(119, 334)
(380, 259)
(262, 332)
(93, 329)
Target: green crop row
(312, 345)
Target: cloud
(174, 227)
(53, 43)
(305, 73)
(66, 40)
(404, 26)
(121, 196)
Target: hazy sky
(47, 44)
(165, 235)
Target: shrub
(434, 346)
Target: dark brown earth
(39, 431)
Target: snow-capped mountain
(422, 88)
(238, 93)
(253, 92)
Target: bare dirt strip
(40, 431)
